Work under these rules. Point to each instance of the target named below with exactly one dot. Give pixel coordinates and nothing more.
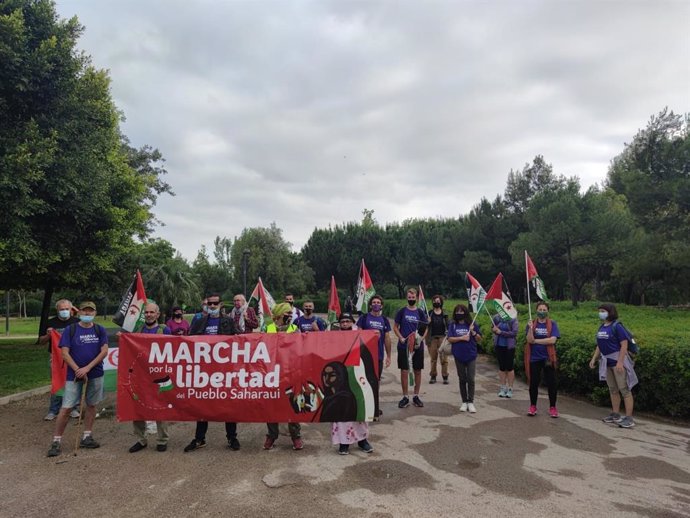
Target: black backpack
(633, 348)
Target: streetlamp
(245, 255)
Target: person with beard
(340, 403)
(243, 315)
(309, 321)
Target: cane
(82, 409)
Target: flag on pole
(361, 376)
(421, 301)
(365, 289)
(264, 304)
(130, 314)
(475, 293)
(533, 276)
(333, 304)
(500, 301)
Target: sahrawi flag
(500, 301)
(130, 315)
(365, 289)
(264, 304)
(475, 293)
(421, 301)
(360, 377)
(533, 276)
(333, 304)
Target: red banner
(58, 367)
(251, 378)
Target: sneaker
(161, 447)
(471, 408)
(553, 412)
(626, 422)
(50, 416)
(463, 407)
(417, 402)
(74, 414)
(55, 449)
(613, 417)
(137, 446)
(234, 444)
(404, 402)
(502, 392)
(269, 443)
(344, 449)
(432, 380)
(532, 410)
(297, 443)
(509, 393)
(445, 380)
(89, 442)
(365, 446)
(194, 445)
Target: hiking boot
(502, 392)
(161, 447)
(613, 417)
(553, 412)
(417, 402)
(269, 443)
(404, 402)
(194, 445)
(50, 416)
(509, 393)
(463, 407)
(234, 444)
(432, 380)
(471, 408)
(74, 414)
(365, 446)
(89, 442)
(344, 449)
(445, 380)
(297, 443)
(626, 422)
(532, 410)
(55, 449)
(137, 446)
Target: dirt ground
(427, 461)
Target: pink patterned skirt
(349, 432)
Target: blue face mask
(87, 319)
(603, 315)
(214, 312)
(64, 314)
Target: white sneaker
(471, 408)
(74, 414)
(50, 416)
(151, 428)
(463, 407)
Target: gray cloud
(304, 113)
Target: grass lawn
(23, 365)
(29, 326)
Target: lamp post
(245, 255)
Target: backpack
(633, 348)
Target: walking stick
(81, 413)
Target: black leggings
(535, 370)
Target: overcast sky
(306, 112)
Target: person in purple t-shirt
(376, 320)
(410, 322)
(612, 349)
(177, 324)
(463, 336)
(308, 321)
(540, 356)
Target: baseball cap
(88, 305)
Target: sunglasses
(213, 303)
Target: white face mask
(64, 314)
(603, 315)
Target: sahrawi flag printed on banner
(475, 293)
(533, 276)
(130, 315)
(333, 304)
(361, 378)
(264, 304)
(365, 289)
(500, 301)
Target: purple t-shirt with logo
(304, 324)
(609, 341)
(538, 352)
(212, 326)
(178, 328)
(84, 346)
(408, 321)
(464, 352)
(380, 324)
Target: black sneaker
(55, 449)
(137, 446)
(417, 402)
(432, 380)
(344, 449)
(445, 380)
(89, 442)
(234, 444)
(194, 445)
(404, 402)
(161, 447)
(365, 446)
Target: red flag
(58, 367)
(531, 270)
(496, 290)
(333, 303)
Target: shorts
(417, 359)
(72, 395)
(617, 382)
(506, 359)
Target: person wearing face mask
(309, 321)
(374, 319)
(243, 315)
(615, 365)
(201, 314)
(213, 323)
(504, 334)
(540, 356)
(177, 324)
(409, 321)
(296, 312)
(463, 336)
(438, 326)
(84, 346)
(63, 319)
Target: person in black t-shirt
(438, 325)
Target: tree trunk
(574, 295)
(45, 309)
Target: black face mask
(459, 317)
(286, 319)
(178, 315)
(437, 304)
(411, 302)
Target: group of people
(84, 345)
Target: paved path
(432, 461)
